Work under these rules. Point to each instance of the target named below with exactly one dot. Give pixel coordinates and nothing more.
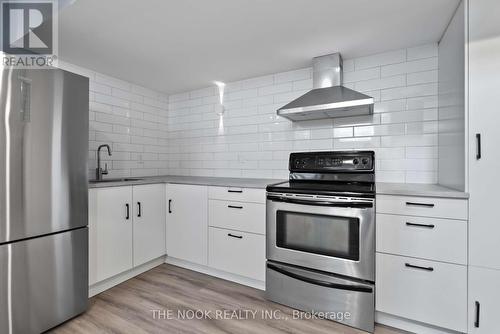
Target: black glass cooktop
(362, 189)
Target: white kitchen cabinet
(110, 232)
(238, 252)
(149, 222)
(484, 115)
(422, 206)
(423, 237)
(240, 216)
(484, 297)
(187, 225)
(426, 291)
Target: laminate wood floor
(128, 308)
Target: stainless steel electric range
(321, 237)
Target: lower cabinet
(149, 222)
(237, 252)
(187, 227)
(427, 291)
(126, 228)
(484, 297)
(110, 232)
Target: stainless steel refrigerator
(43, 198)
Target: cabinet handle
(235, 236)
(418, 267)
(139, 213)
(420, 225)
(169, 206)
(235, 207)
(478, 313)
(127, 214)
(234, 191)
(427, 205)
(478, 143)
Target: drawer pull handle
(427, 205)
(127, 211)
(234, 191)
(420, 225)
(418, 267)
(139, 207)
(169, 206)
(478, 313)
(235, 207)
(478, 143)
(235, 236)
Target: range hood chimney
(328, 99)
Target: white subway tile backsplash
(374, 84)
(296, 75)
(391, 57)
(409, 91)
(422, 77)
(421, 65)
(153, 134)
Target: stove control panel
(332, 161)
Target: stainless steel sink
(125, 179)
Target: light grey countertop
(417, 189)
(382, 188)
(195, 180)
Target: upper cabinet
(484, 133)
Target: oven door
(331, 235)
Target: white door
(110, 232)
(149, 222)
(484, 297)
(484, 120)
(187, 226)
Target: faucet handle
(105, 171)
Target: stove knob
(355, 161)
(364, 161)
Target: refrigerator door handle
(25, 98)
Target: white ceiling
(179, 45)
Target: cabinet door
(149, 222)
(110, 232)
(187, 224)
(484, 297)
(484, 111)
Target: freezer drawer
(349, 302)
(43, 281)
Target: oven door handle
(324, 203)
(359, 288)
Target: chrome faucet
(99, 172)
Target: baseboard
(409, 325)
(122, 277)
(217, 273)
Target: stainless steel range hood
(329, 98)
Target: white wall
(403, 130)
(131, 119)
(451, 99)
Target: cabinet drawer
(428, 238)
(237, 194)
(422, 206)
(437, 297)
(237, 252)
(241, 216)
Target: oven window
(318, 234)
